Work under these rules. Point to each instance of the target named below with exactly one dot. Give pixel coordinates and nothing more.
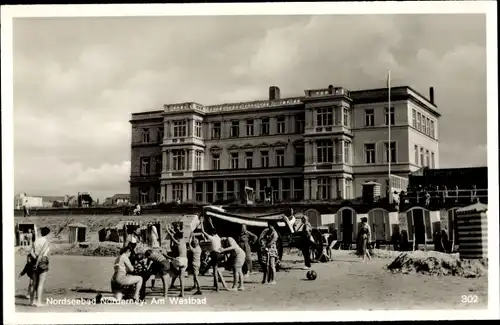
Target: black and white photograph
(280, 161)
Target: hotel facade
(320, 146)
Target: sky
(78, 80)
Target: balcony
(328, 130)
(138, 178)
(251, 172)
(328, 167)
(183, 141)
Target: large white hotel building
(320, 146)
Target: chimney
(431, 94)
(330, 89)
(274, 93)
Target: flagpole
(389, 147)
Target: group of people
(135, 269)
(26, 238)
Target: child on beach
(181, 261)
(194, 247)
(28, 270)
(216, 257)
(159, 264)
(239, 256)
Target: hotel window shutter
(428, 225)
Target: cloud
(77, 80)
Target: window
(262, 189)
(219, 190)
(325, 151)
(235, 129)
(348, 189)
(216, 130)
(158, 167)
(432, 134)
(389, 114)
(421, 156)
(177, 191)
(249, 159)
(432, 160)
(264, 127)
(264, 158)
(234, 160)
(216, 161)
(158, 194)
(197, 163)
(230, 189)
(144, 166)
(427, 158)
(199, 191)
(298, 189)
(323, 188)
(249, 128)
(346, 117)
(210, 192)
(369, 117)
(414, 117)
(280, 121)
(347, 152)
(300, 123)
(324, 116)
(285, 189)
(369, 153)
(180, 128)
(419, 120)
(197, 127)
(161, 133)
(179, 159)
(144, 195)
(425, 120)
(280, 158)
(145, 135)
(299, 156)
(415, 148)
(390, 152)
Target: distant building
(120, 199)
(22, 199)
(322, 146)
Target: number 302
(470, 299)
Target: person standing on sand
(246, 239)
(194, 247)
(39, 253)
(269, 253)
(364, 236)
(154, 237)
(181, 261)
(306, 241)
(238, 254)
(29, 237)
(215, 256)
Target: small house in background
(77, 233)
(120, 199)
(108, 201)
(22, 199)
(52, 201)
(23, 227)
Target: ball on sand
(311, 275)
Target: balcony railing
(462, 196)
